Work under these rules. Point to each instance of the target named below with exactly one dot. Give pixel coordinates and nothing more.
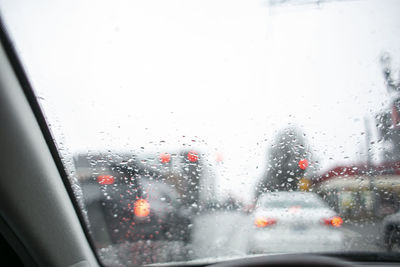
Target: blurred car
(117, 186)
(294, 221)
(128, 200)
(139, 208)
(391, 230)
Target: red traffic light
(303, 164)
(165, 158)
(192, 156)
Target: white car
(294, 221)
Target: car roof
(299, 196)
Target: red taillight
(105, 179)
(335, 221)
(263, 222)
(141, 208)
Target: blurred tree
(388, 122)
(287, 162)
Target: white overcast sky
(226, 73)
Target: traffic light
(192, 172)
(304, 184)
(165, 158)
(303, 164)
(192, 156)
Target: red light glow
(192, 156)
(294, 209)
(165, 158)
(219, 157)
(141, 208)
(303, 164)
(105, 179)
(263, 222)
(335, 221)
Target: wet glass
(173, 118)
(288, 204)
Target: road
(223, 234)
(363, 236)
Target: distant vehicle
(141, 196)
(391, 231)
(137, 206)
(294, 221)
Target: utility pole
(369, 173)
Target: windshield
(174, 118)
(287, 204)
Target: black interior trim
(287, 260)
(8, 45)
(11, 240)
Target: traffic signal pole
(369, 173)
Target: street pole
(368, 165)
